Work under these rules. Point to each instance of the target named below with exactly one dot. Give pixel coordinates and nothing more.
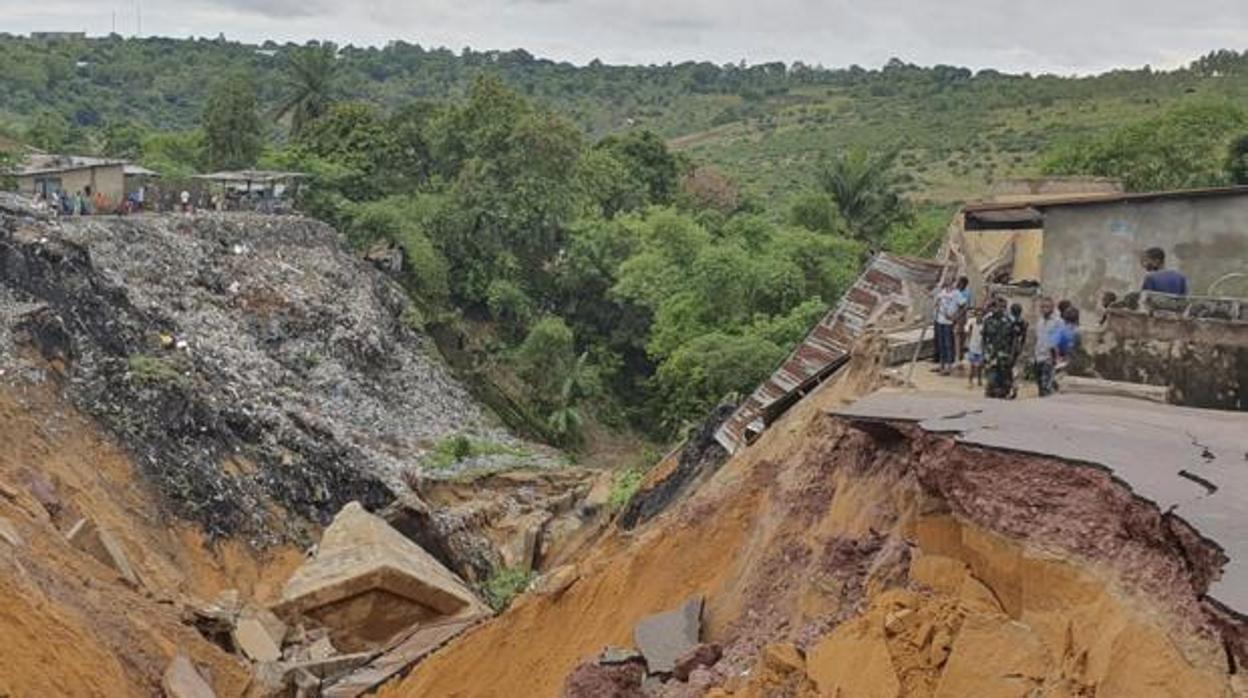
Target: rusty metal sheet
(881, 294)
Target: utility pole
(114, 22)
(138, 19)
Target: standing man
(1158, 278)
(959, 326)
(1043, 359)
(948, 309)
(998, 337)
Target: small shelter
(259, 190)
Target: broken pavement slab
(665, 637)
(420, 644)
(182, 680)
(1189, 462)
(368, 583)
(86, 536)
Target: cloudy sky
(1062, 36)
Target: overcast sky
(1062, 36)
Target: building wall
(109, 180)
(1094, 248)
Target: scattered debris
(183, 680)
(664, 638)
(703, 655)
(103, 546)
(620, 655)
(592, 680)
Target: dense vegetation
(620, 245)
(765, 126)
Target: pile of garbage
(247, 361)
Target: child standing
(975, 348)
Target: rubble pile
(246, 360)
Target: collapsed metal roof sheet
(887, 293)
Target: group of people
(995, 336)
(81, 203)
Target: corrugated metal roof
(883, 294)
(1092, 200)
(48, 163)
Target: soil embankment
(70, 623)
(838, 561)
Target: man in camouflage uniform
(999, 350)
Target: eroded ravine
(881, 562)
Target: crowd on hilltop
(993, 337)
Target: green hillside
(764, 125)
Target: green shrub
(624, 486)
(505, 584)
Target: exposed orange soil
(69, 625)
(816, 537)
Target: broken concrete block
(664, 637)
(101, 545)
(183, 680)
(320, 650)
(367, 583)
(619, 655)
(252, 638)
(8, 533)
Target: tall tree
(233, 137)
(309, 81)
(864, 189)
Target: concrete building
(43, 173)
(1092, 243)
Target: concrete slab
(367, 583)
(254, 640)
(183, 680)
(1190, 462)
(100, 544)
(665, 637)
(420, 644)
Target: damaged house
(1067, 238)
(1080, 245)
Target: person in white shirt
(975, 348)
(949, 302)
(1043, 358)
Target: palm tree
(863, 187)
(309, 80)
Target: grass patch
(624, 486)
(454, 449)
(153, 370)
(506, 584)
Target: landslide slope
(262, 375)
(842, 561)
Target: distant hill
(764, 125)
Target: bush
(505, 584)
(623, 487)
